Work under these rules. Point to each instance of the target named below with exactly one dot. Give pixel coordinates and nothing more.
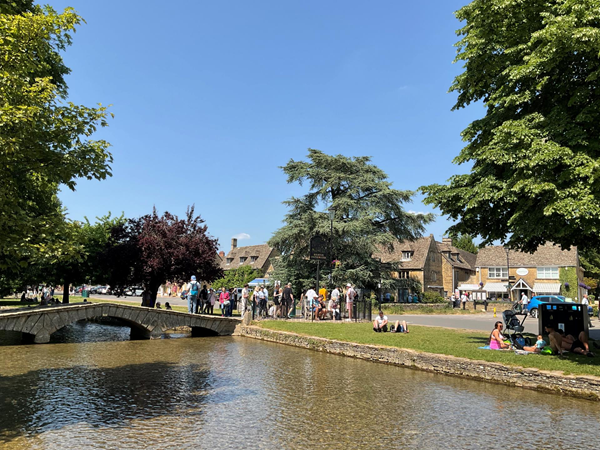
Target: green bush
(432, 297)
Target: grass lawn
(425, 309)
(462, 343)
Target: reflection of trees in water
(50, 399)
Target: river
(79, 392)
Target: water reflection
(233, 392)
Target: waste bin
(85, 293)
(569, 317)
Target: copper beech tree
(154, 249)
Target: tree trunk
(66, 288)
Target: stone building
(255, 256)
(549, 270)
(458, 266)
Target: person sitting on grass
(399, 327)
(496, 337)
(579, 345)
(555, 340)
(380, 323)
(538, 347)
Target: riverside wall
(580, 386)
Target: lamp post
(331, 213)
(507, 249)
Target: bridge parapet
(145, 323)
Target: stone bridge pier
(146, 323)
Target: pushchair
(514, 328)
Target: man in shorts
(350, 296)
(380, 323)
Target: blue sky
(210, 98)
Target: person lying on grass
(538, 347)
(380, 323)
(497, 338)
(579, 345)
(400, 327)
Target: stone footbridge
(39, 323)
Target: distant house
(549, 270)
(255, 256)
(437, 266)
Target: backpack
(194, 289)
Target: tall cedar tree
(44, 140)
(535, 173)
(154, 249)
(368, 216)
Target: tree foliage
(45, 141)
(154, 249)
(368, 216)
(535, 173)
(237, 277)
(464, 242)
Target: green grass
(461, 343)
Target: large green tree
(44, 139)
(535, 173)
(368, 216)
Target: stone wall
(586, 387)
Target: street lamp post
(331, 213)
(507, 249)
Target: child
(538, 347)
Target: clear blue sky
(210, 98)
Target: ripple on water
(238, 393)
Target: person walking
(350, 296)
(212, 298)
(203, 300)
(586, 302)
(262, 305)
(309, 298)
(334, 303)
(287, 301)
(232, 301)
(244, 300)
(193, 289)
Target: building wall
(432, 270)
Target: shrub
(432, 297)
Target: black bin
(569, 317)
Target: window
(497, 272)
(243, 259)
(403, 274)
(406, 256)
(253, 259)
(548, 272)
(229, 260)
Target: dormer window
(253, 259)
(229, 260)
(243, 259)
(407, 256)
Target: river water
(233, 393)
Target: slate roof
(546, 255)
(419, 247)
(467, 259)
(262, 251)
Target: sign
(522, 271)
(318, 248)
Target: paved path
(480, 322)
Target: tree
(155, 249)
(237, 277)
(44, 140)
(464, 242)
(368, 216)
(535, 168)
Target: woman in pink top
(496, 338)
(222, 299)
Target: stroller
(514, 328)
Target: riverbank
(449, 352)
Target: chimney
(447, 240)
(233, 243)
(222, 254)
